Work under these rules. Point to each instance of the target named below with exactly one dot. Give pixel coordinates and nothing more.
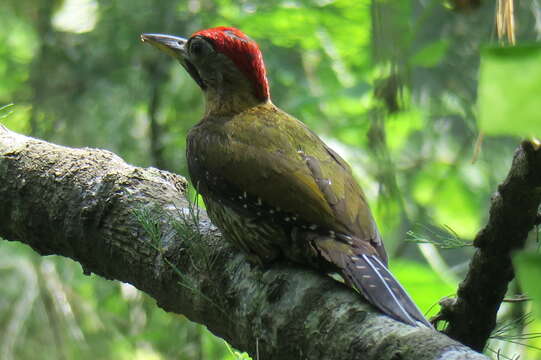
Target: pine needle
(446, 238)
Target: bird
(270, 184)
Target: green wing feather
(271, 155)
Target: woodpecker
(269, 183)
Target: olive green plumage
(270, 162)
(273, 187)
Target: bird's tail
(370, 276)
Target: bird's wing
(275, 158)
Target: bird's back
(266, 164)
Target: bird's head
(225, 63)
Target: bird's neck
(222, 102)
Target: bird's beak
(176, 47)
(172, 45)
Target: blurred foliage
(528, 265)
(507, 75)
(391, 85)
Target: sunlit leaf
(452, 201)
(400, 125)
(16, 118)
(510, 78)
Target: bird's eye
(196, 48)
(199, 47)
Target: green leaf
(528, 269)
(509, 85)
(430, 55)
(446, 194)
(401, 125)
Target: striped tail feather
(374, 281)
(368, 274)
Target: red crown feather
(244, 52)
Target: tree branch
(513, 213)
(122, 222)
